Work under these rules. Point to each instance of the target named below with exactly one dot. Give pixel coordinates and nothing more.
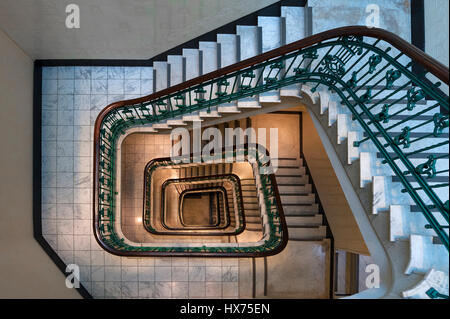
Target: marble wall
(395, 15)
(72, 97)
(436, 33)
(436, 29)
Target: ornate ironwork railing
(274, 230)
(369, 69)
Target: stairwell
(409, 253)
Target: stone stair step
(228, 109)
(424, 255)
(298, 171)
(161, 80)
(292, 180)
(287, 162)
(307, 233)
(250, 45)
(256, 220)
(314, 220)
(193, 68)
(297, 190)
(404, 223)
(301, 210)
(251, 205)
(177, 71)
(298, 199)
(272, 38)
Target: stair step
(315, 220)
(251, 213)
(211, 114)
(308, 233)
(228, 49)
(301, 210)
(161, 126)
(247, 181)
(298, 199)
(210, 58)
(254, 220)
(297, 190)
(424, 255)
(283, 171)
(404, 223)
(248, 193)
(271, 30)
(434, 278)
(176, 122)
(162, 79)
(192, 118)
(228, 109)
(294, 23)
(193, 68)
(176, 69)
(251, 205)
(250, 45)
(242, 104)
(292, 180)
(287, 162)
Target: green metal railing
(434, 294)
(370, 71)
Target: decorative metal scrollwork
(277, 65)
(311, 55)
(199, 95)
(428, 168)
(366, 97)
(383, 116)
(413, 97)
(299, 71)
(356, 49)
(128, 114)
(374, 60)
(392, 76)
(403, 137)
(353, 81)
(333, 65)
(440, 123)
(180, 102)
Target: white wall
(26, 271)
(115, 29)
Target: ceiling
(115, 29)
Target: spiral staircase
(386, 125)
(383, 123)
